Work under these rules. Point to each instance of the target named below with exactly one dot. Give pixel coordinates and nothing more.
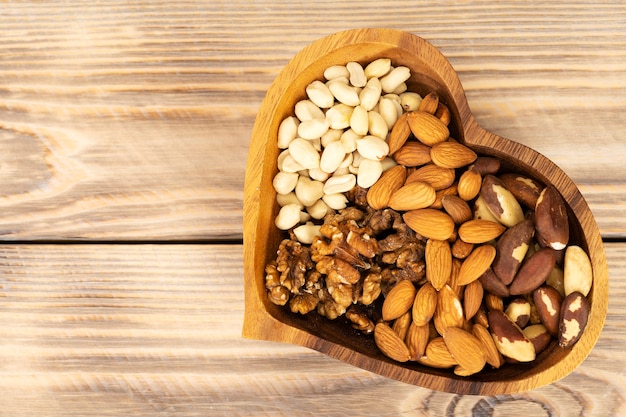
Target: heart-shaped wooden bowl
(431, 71)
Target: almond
(390, 343)
(449, 311)
(472, 298)
(466, 349)
(493, 302)
(438, 258)
(437, 177)
(461, 249)
(480, 231)
(476, 264)
(533, 272)
(399, 134)
(416, 195)
(424, 304)
(492, 355)
(427, 128)
(412, 154)
(438, 355)
(379, 194)
(451, 190)
(457, 208)
(469, 184)
(416, 340)
(399, 300)
(577, 273)
(551, 220)
(429, 103)
(451, 154)
(443, 113)
(430, 223)
(573, 320)
(401, 325)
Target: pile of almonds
(502, 278)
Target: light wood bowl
(431, 72)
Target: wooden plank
(123, 121)
(155, 329)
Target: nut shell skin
(493, 284)
(551, 220)
(533, 272)
(500, 202)
(548, 304)
(526, 190)
(512, 247)
(509, 338)
(574, 317)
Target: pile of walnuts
(359, 254)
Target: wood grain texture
(155, 330)
(132, 121)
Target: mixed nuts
(440, 253)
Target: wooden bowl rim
(260, 324)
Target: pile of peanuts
(338, 139)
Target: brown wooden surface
(130, 121)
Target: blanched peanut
(313, 128)
(290, 165)
(395, 79)
(358, 121)
(372, 147)
(357, 75)
(339, 184)
(348, 140)
(370, 94)
(332, 135)
(309, 191)
(319, 94)
(287, 131)
(307, 232)
(285, 182)
(410, 101)
(290, 198)
(388, 162)
(307, 110)
(304, 153)
(377, 126)
(387, 110)
(288, 216)
(318, 175)
(338, 116)
(332, 156)
(318, 210)
(378, 68)
(336, 71)
(344, 93)
(369, 172)
(337, 201)
(347, 161)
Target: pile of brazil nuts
(445, 257)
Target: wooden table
(124, 128)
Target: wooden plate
(431, 72)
